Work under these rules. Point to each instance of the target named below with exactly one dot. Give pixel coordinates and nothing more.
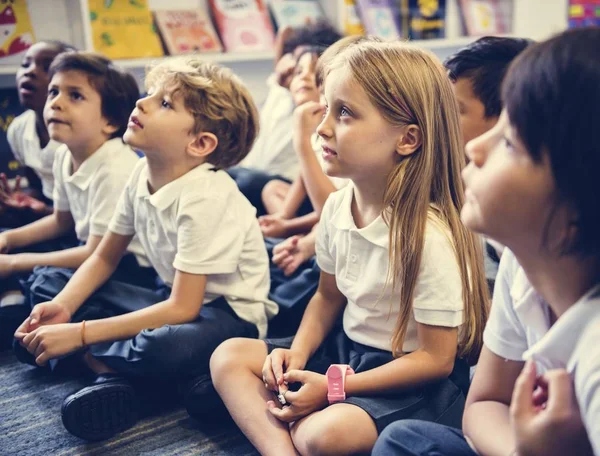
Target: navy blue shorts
(441, 402)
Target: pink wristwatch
(336, 381)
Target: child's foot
(101, 410)
(202, 401)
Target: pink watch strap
(336, 380)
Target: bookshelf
(66, 20)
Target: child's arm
(293, 199)
(318, 185)
(94, 271)
(434, 360)
(273, 226)
(49, 227)
(486, 419)
(319, 317)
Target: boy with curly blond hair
(201, 236)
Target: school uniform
(199, 224)
(520, 328)
(273, 151)
(25, 144)
(359, 260)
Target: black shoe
(11, 318)
(202, 401)
(101, 410)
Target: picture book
(16, 32)
(350, 21)
(187, 31)
(423, 19)
(123, 29)
(244, 25)
(295, 13)
(380, 18)
(482, 17)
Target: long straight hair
(409, 86)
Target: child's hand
(7, 265)
(14, 198)
(291, 253)
(312, 396)
(49, 342)
(307, 118)
(273, 225)
(547, 427)
(284, 70)
(46, 313)
(277, 363)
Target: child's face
(160, 124)
(32, 75)
(303, 86)
(473, 121)
(508, 196)
(73, 112)
(358, 143)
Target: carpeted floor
(30, 424)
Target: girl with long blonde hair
(395, 260)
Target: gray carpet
(30, 423)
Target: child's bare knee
(318, 439)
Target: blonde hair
(409, 86)
(219, 102)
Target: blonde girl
(395, 261)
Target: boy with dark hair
(477, 72)
(87, 107)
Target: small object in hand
(281, 396)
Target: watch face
(334, 372)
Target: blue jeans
(421, 438)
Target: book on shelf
(123, 29)
(187, 31)
(423, 20)
(244, 25)
(16, 32)
(295, 13)
(380, 18)
(584, 13)
(350, 21)
(483, 17)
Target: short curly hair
(219, 102)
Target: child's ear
(109, 130)
(409, 141)
(202, 145)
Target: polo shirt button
(353, 258)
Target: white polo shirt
(273, 151)
(25, 145)
(201, 223)
(519, 328)
(359, 260)
(92, 192)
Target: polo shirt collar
(555, 349)
(85, 173)
(169, 193)
(377, 232)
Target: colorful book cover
(351, 24)
(380, 18)
(186, 31)
(123, 29)
(482, 17)
(295, 13)
(584, 13)
(423, 19)
(16, 32)
(244, 25)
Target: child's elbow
(446, 366)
